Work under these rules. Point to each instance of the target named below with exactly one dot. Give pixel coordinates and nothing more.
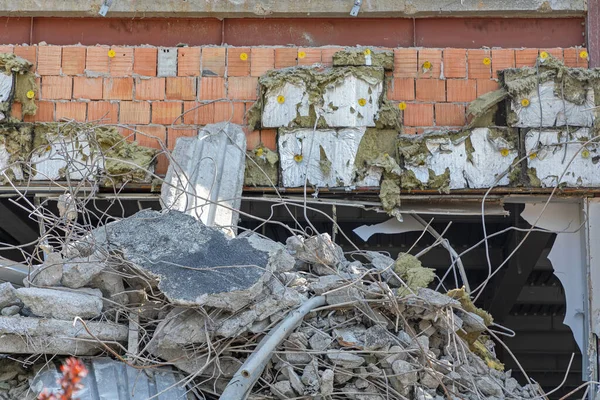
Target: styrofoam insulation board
(206, 176)
(341, 102)
(6, 166)
(487, 161)
(279, 114)
(552, 157)
(553, 110)
(63, 157)
(6, 88)
(339, 147)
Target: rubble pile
(162, 288)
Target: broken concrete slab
(318, 249)
(283, 104)
(79, 271)
(206, 177)
(325, 156)
(50, 272)
(60, 304)
(8, 295)
(110, 283)
(194, 264)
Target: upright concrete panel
(283, 104)
(167, 61)
(352, 102)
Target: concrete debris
(8, 295)
(78, 272)
(49, 273)
(59, 304)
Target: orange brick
(418, 115)
(455, 63)
(45, 113)
(213, 61)
(87, 88)
(122, 63)
(308, 56)
(198, 113)
(229, 111)
(556, 53)
(73, 60)
(29, 53)
(583, 62)
(431, 90)
(327, 55)
(502, 59)
(96, 60)
(401, 89)
(461, 90)
(242, 88)
(57, 87)
(71, 110)
(238, 61)
(409, 131)
(571, 55)
(128, 132)
(150, 88)
(134, 112)
(268, 137)
(103, 112)
(405, 63)
(263, 60)
(435, 58)
(154, 136)
(166, 113)
(175, 133)
(212, 88)
(526, 57)
(181, 88)
(480, 64)
(188, 61)
(7, 49)
(16, 111)
(145, 61)
(486, 85)
(118, 88)
(49, 60)
(447, 114)
(286, 57)
(252, 139)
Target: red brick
(73, 60)
(435, 58)
(447, 114)
(583, 62)
(556, 53)
(308, 56)
(252, 139)
(409, 131)
(212, 88)
(480, 64)
(405, 63)
(150, 88)
(134, 112)
(418, 115)
(198, 113)
(229, 111)
(103, 112)
(242, 88)
(71, 111)
(213, 61)
(401, 89)
(571, 55)
(268, 137)
(502, 59)
(431, 90)
(49, 60)
(238, 61)
(29, 53)
(286, 57)
(174, 133)
(7, 49)
(87, 88)
(154, 136)
(145, 59)
(263, 60)
(188, 61)
(167, 113)
(57, 87)
(122, 63)
(96, 59)
(460, 90)
(118, 88)
(45, 113)
(455, 63)
(16, 111)
(486, 85)
(526, 57)
(327, 55)
(181, 88)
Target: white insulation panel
(65, 157)
(283, 104)
(352, 102)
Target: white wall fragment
(551, 157)
(6, 85)
(6, 166)
(167, 61)
(65, 157)
(352, 102)
(326, 156)
(554, 111)
(283, 104)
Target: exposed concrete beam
(288, 8)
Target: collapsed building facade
(412, 198)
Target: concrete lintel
(288, 8)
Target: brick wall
(121, 85)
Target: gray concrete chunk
(345, 359)
(167, 61)
(60, 304)
(7, 294)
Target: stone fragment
(59, 304)
(283, 390)
(112, 288)
(7, 294)
(471, 321)
(327, 382)
(326, 283)
(320, 341)
(489, 387)
(295, 381)
(310, 375)
(430, 379)
(79, 271)
(376, 337)
(437, 299)
(10, 311)
(406, 373)
(181, 327)
(512, 386)
(316, 249)
(50, 272)
(345, 359)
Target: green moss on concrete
(357, 57)
(412, 272)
